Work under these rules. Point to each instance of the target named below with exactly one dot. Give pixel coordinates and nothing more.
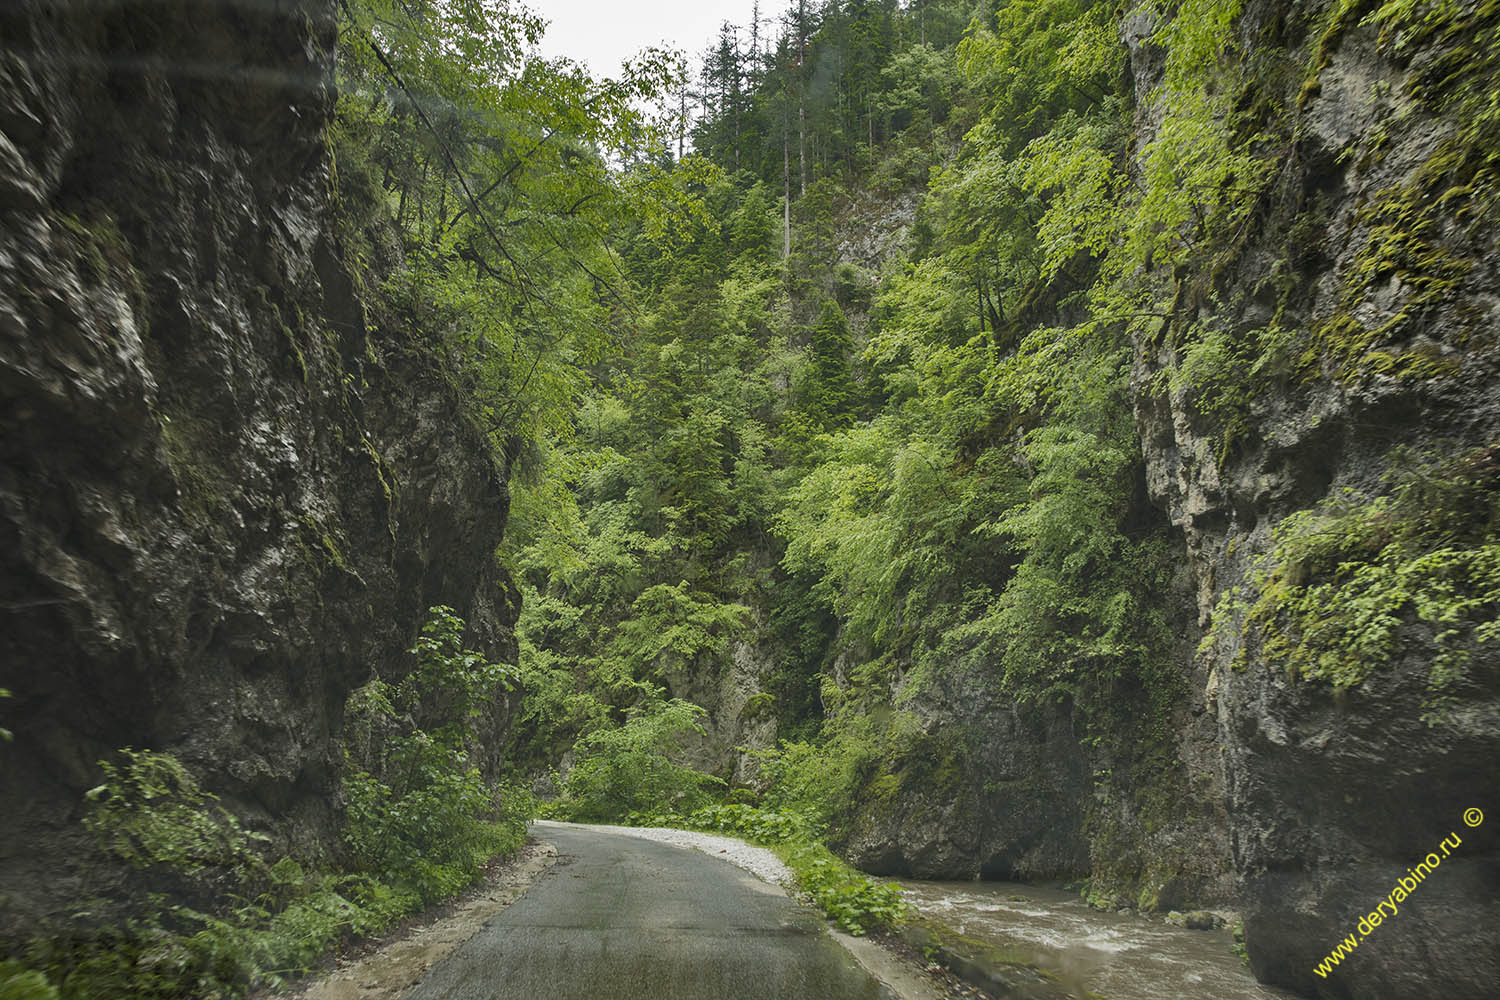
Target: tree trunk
(801, 146)
(786, 191)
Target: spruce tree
(830, 386)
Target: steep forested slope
(1088, 469)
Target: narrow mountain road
(619, 918)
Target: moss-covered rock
(1342, 342)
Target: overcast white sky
(602, 33)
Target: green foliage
(280, 925)
(984, 517)
(283, 930)
(925, 474)
(828, 388)
(420, 814)
(1075, 165)
(760, 826)
(932, 476)
(420, 822)
(493, 166)
(630, 768)
(451, 685)
(427, 828)
(1203, 172)
(20, 983)
(839, 82)
(856, 903)
(823, 780)
(672, 627)
(1355, 583)
(149, 810)
(147, 958)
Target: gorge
(1039, 440)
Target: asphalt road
(619, 918)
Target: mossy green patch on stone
(204, 489)
(387, 477)
(1352, 582)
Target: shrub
(20, 983)
(764, 826)
(629, 769)
(420, 813)
(149, 810)
(856, 903)
(421, 820)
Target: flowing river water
(1119, 956)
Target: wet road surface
(619, 918)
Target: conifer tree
(830, 388)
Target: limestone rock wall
(740, 716)
(1330, 798)
(226, 494)
(1301, 805)
(991, 790)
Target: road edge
(895, 973)
(397, 963)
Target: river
(1119, 956)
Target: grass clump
(20, 983)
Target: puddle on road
(1119, 956)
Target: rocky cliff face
(1037, 791)
(739, 717)
(993, 790)
(1331, 796)
(1372, 252)
(226, 494)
